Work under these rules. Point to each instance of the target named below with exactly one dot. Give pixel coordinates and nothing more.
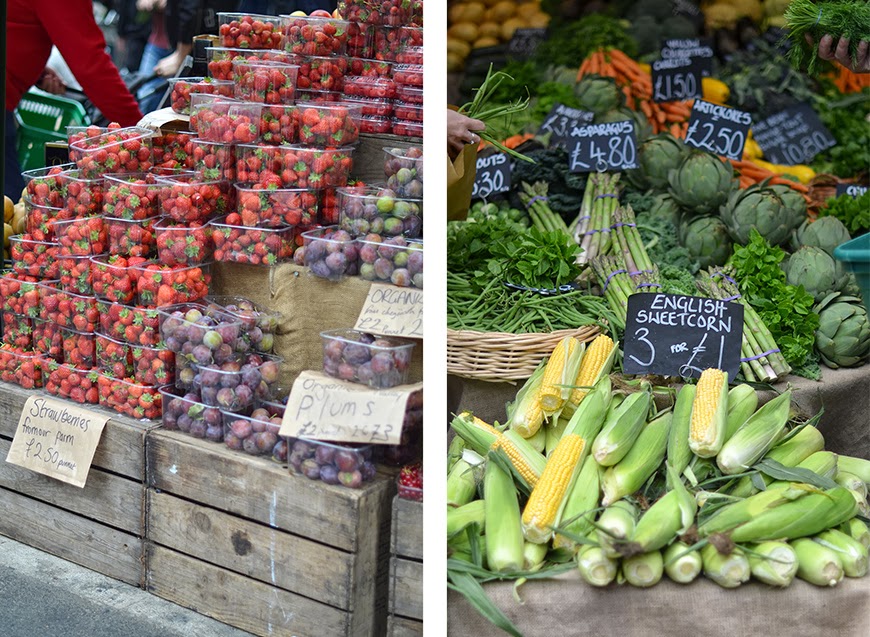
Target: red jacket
(32, 26)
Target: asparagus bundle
(592, 227)
(616, 284)
(534, 197)
(627, 241)
(762, 360)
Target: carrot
(745, 182)
(675, 130)
(660, 116)
(801, 188)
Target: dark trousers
(13, 183)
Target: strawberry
(114, 358)
(126, 396)
(132, 196)
(34, 258)
(83, 197)
(408, 112)
(68, 309)
(375, 125)
(20, 367)
(410, 482)
(264, 81)
(327, 125)
(315, 36)
(47, 339)
(213, 160)
(253, 245)
(225, 121)
(271, 206)
(45, 186)
(65, 381)
(367, 84)
(321, 73)
(153, 366)
(75, 274)
(78, 348)
(189, 200)
(361, 11)
(408, 74)
(250, 31)
(159, 285)
(386, 44)
(113, 278)
(406, 128)
(278, 125)
(183, 244)
(173, 150)
(117, 150)
(131, 238)
(81, 237)
(13, 287)
(182, 88)
(40, 219)
(17, 330)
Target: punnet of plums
(377, 361)
(395, 260)
(345, 465)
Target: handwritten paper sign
(324, 408)
(493, 176)
(676, 79)
(603, 147)
(559, 122)
(392, 311)
(853, 190)
(676, 335)
(718, 129)
(56, 438)
(793, 136)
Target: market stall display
(678, 150)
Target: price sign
(392, 311)
(561, 120)
(493, 176)
(793, 136)
(676, 335)
(718, 129)
(56, 438)
(525, 42)
(853, 190)
(602, 147)
(675, 79)
(699, 50)
(324, 408)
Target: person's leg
(13, 182)
(149, 94)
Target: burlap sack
(460, 182)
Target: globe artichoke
(664, 207)
(707, 240)
(656, 157)
(817, 271)
(762, 208)
(794, 202)
(701, 183)
(843, 337)
(825, 233)
(599, 94)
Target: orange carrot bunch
(848, 82)
(751, 173)
(636, 84)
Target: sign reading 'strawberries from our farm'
(559, 122)
(610, 146)
(324, 408)
(493, 176)
(718, 129)
(675, 79)
(57, 439)
(392, 311)
(674, 335)
(853, 190)
(792, 136)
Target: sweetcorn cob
(857, 530)
(709, 411)
(578, 517)
(526, 415)
(853, 554)
(856, 466)
(595, 566)
(616, 524)
(560, 374)
(544, 509)
(589, 417)
(679, 454)
(728, 571)
(597, 362)
(643, 570)
(774, 563)
(817, 564)
(682, 564)
(644, 457)
(756, 436)
(733, 515)
(621, 429)
(742, 402)
(502, 520)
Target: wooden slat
(105, 498)
(259, 489)
(402, 627)
(122, 445)
(406, 588)
(263, 553)
(72, 537)
(407, 534)
(237, 600)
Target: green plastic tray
(856, 255)
(42, 118)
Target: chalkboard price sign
(493, 176)
(793, 136)
(853, 190)
(561, 120)
(718, 129)
(675, 79)
(525, 42)
(699, 50)
(602, 147)
(674, 335)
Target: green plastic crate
(856, 255)
(42, 118)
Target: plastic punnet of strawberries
(410, 482)
(327, 125)
(249, 31)
(271, 206)
(254, 245)
(264, 81)
(309, 35)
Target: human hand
(840, 53)
(168, 66)
(145, 5)
(459, 130)
(50, 82)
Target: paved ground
(43, 596)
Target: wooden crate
(240, 539)
(100, 526)
(406, 569)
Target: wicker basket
(499, 356)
